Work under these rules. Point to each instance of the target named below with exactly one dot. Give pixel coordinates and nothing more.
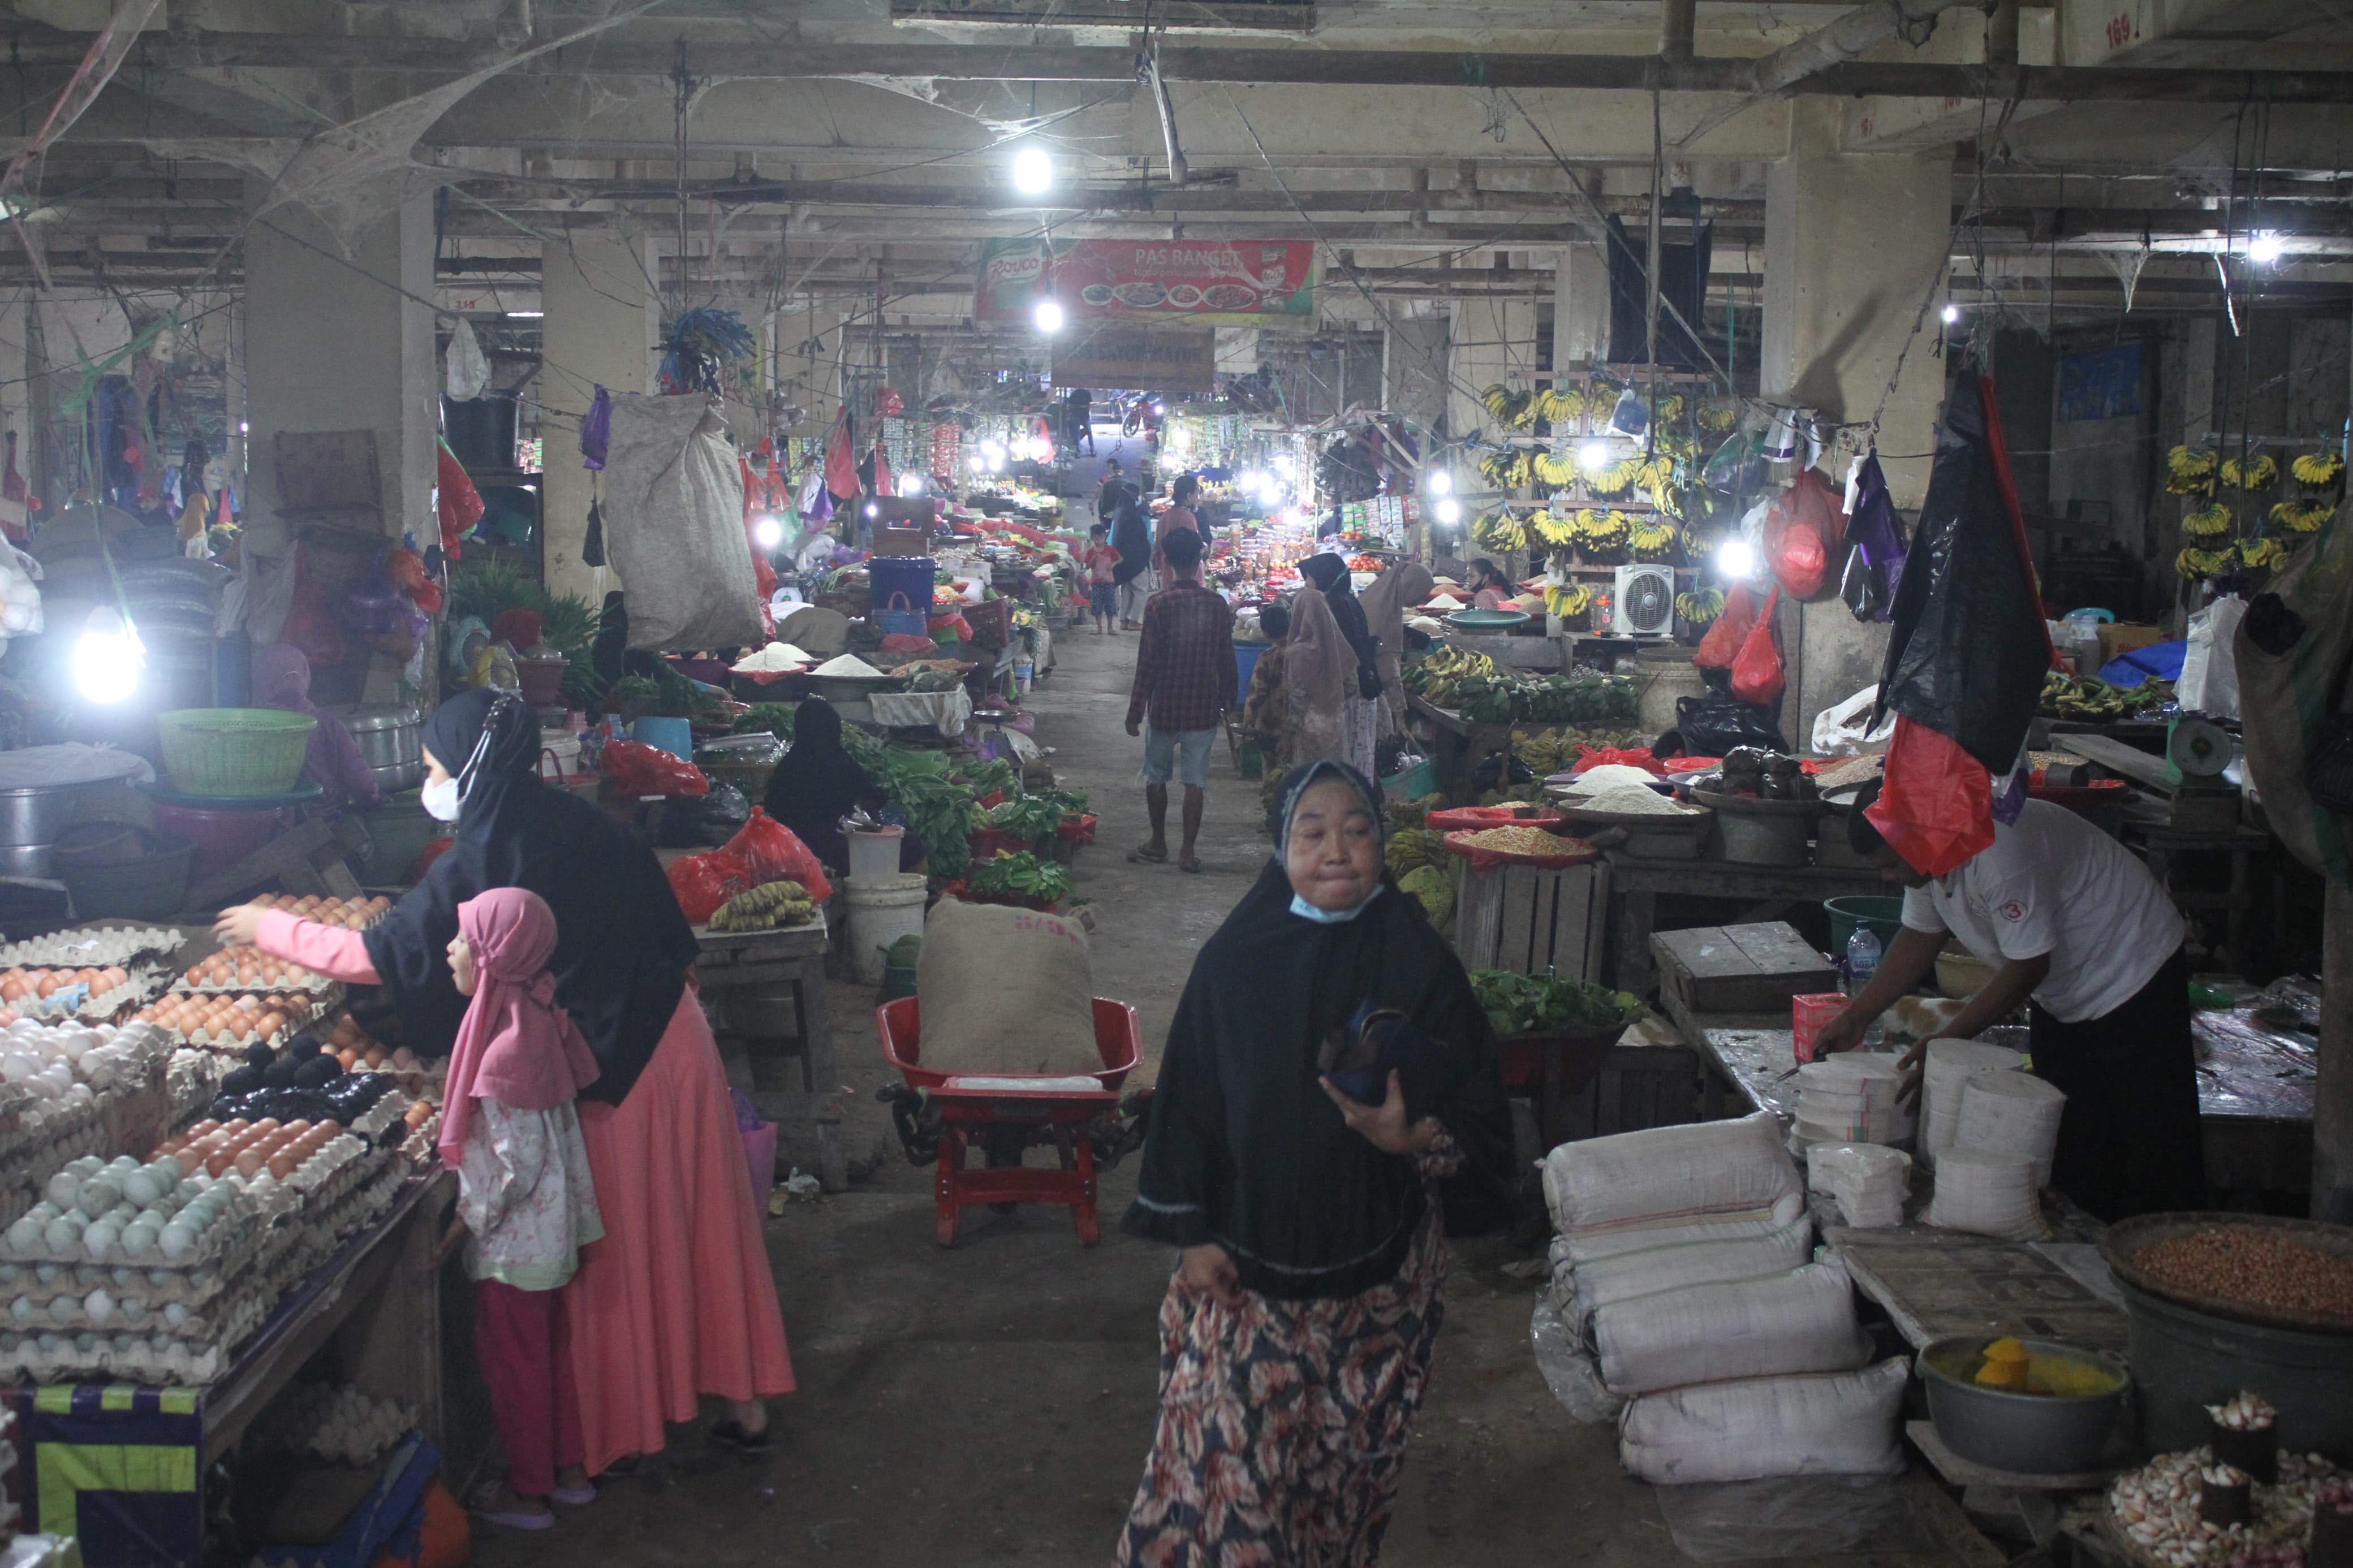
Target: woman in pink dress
(678, 1300)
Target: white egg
(98, 1194)
(85, 1342)
(134, 1311)
(25, 1234)
(99, 1306)
(138, 1238)
(48, 1273)
(174, 1314)
(61, 1309)
(88, 1165)
(62, 1233)
(123, 1164)
(79, 1094)
(123, 1278)
(18, 1066)
(177, 1238)
(99, 1239)
(21, 1310)
(63, 1187)
(161, 1343)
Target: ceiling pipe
(1814, 65)
(1791, 66)
(1168, 124)
(1678, 19)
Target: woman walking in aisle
(1296, 1334)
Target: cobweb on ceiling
(2127, 265)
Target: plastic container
(223, 835)
(234, 751)
(675, 736)
(542, 681)
(1246, 657)
(2184, 1360)
(874, 856)
(1885, 916)
(130, 874)
(1808, 1013)
(903, 584)
(882, 911)
(2036, 1433)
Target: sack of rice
(1802, 1321)
(1588, 1287)
(1567, 1366)
(1837, 1424)
(1587, 1246)
(1707, 1169)
(1005, 990)
(1867, 1181)
(1990, 1194)
(2010, 1114)
(1949, 1065)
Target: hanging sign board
(1180, 282)
(1132, 358)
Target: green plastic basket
(231, 752)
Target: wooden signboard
(1123, 356)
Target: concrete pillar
(1580, 317)
(598, 333)
(1413, 369)
(1853, 244)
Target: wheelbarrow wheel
(1004, 1151)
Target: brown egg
(348, 1056)
(190, 1160)
(283, 1164)
(375, 1057)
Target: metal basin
(389, 737)
(2040, 1433)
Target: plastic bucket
(1246, 655)
(882, 911)
(2184, 1360)
(1884, 916)
(675, 736)
(223, 836)
(874, 856)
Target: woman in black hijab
(1309, 1219)
(682, 1246)
(1329, 574)
(1131, 535)
(818, 783)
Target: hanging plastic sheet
(676, 531)
(1874, 536)
(2293, 650)
(596, 431)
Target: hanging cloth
(596, 431)
(592, 541)
(460, 503)
(840, 466)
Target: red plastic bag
(1800, 526)
(1936, 807)
(775, 853)
(704, 882)
(1757, 674)
(1721, 643)
(639, 770)
(309, 624)
(1631, 757)
(458, 503)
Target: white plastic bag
(1706, 1169)
(674, 526)
(1840, 1424)
(1568, 1370)
(1951, 1064)
(1588, 1246)
(2011, 1114)
(469, 370)
(2209, 668)
(1844, 729)
(1802, 1321)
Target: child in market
(1102, 588)
(1262, 715)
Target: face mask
(440, 800)
(1307, 911)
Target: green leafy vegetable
(1023, 876)
(1031, 817)
(774, 718)
(1535, 1004)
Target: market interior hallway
(993, 1403)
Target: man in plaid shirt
(1185, 681)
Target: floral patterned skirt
(1284, 1424)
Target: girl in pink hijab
(525, 1202)
(281, 679)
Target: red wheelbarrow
(1005, 1114)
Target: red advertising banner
(1197, 282)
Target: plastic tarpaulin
(675, 527)
(2294, 652)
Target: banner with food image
(1196, 282)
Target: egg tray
(124, 1357)
(233, 1313)
(223, 1044)
(370, 1124)
(191, 1082)
(424, 1145)
(152, 1288)
(92, 947)
(297, 979)
(106, 1008)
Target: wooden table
(769, 961)
(1457, 745)
(1768, 891)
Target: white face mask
(439, 799)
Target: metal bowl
(2039, 1434)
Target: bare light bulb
(1447, 512)
(2265, 249)
(1593, 456)
(108, 658)
(1440, 482)
(1033, 172)
(1735, 561)
(768, 532)
(1952, 314)
(1047, 316)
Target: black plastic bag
(1863, 587)
(1712, 725)
(1969, 649)
(1492, 773)
(1874, 564)
(694, 822)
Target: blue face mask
(1307, 911)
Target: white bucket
(874, 857)
(882, 911)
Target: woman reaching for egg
(678, 1301)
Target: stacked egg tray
(240, 971)
(191, 1082)
(344, 914)
(61, 995)
(54, 1086)
(253, 1017)
(125, 947)
(334, 1422)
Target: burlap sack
(1005, 990)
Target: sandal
(1193, 868)
(574, 1497)
(522, 1521)
(731, 1433)
(1146, 854)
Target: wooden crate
(1738, 969)
(1528, 920)
(1637, 1087)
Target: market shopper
(1360, 705)
(1296, 1334)
(2077, 929)
(1131, 535)
(1262, 706)
(1182, 493)
(1185, 685)
(676, 1301)
(1101, 564)
(1403, 587)
(281, 679)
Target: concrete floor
(993, 1403)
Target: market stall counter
(1765, 891)
(768, 985)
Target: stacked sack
(1682, 1266)
(1990, 1129)
(1869, 1182)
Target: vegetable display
(1535, 1004)
(771, 906)
(2091, 700)
(1021, 876)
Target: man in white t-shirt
(2075, 927)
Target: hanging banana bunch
(1668, 409)
(2301, 516)
(1514, 410)
(1701, 608)
(2195, 563)
(2189, 473)
(1498, 530)
(2318, 469)
(2209, 522)
(1567, 599)
(1560, 405)
(1551, 468)
(1499, 467)
(2260, 553)
(1654, 539)
(1616, 480)
(1718, 418)
(1551, 528)
(2257, 474)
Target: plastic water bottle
(1862, 963)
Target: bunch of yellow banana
(2259, 553)
(2189, 473)
(1560, 405)
(2211, 520)
(1551, 468)
(1439, 678)
(2301, 516)
(1602, 530)
(1715, 419)
(1653, 537)
(2257, 474)
(1506, 469)
(1411, 848)
(1614, 481)
(1500, 531)
(1567, 599)
(1552, 528)
(1668, 409)
(2195, 563)
(2317, 469)
(1700, 608)
(1514, 409)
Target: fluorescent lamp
(525, 315)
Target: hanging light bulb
(1629, 418)
(912, 485)
(768, 532)
(1593, 456)
(1952, 314)
(1735, 561)
(2265, 249)
(1047, 316)
(109, 656)
(1033, 172)
(1447, 512)
(1440, 482)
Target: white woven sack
(1949, 1065)
(1572, 1251)
(1990, 1194)
(1595, 1284)
(1869, 1183)
(2011, 1114)
(1799, 1322)
(1722, 1169)
(674, 524)
(1838, 1424)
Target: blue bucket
(675, 736)
(1246, 661)
(901, 583)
